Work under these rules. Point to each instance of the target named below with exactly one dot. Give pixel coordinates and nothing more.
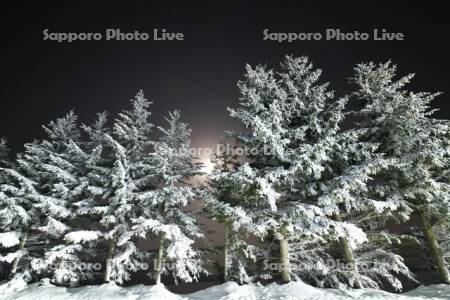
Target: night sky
(42, 80)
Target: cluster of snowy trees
(311, 191)
(326, 192)
(92, 192)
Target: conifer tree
(128, 174)
(4, 153)
(16, 211)
(222, 200)
(40, 185)
(167, 217)
(401, 122)
(56, 164)
(306, 173)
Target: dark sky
(42, 80)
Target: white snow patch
(227, 291)
(9, 239)
(267, 190)
(82, 236)
(105, 291)
(8, 288)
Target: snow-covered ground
(227, 291)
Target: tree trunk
(159, 262)
(284, 259)
(348, 255)
(16, 261)
(111, 248)
(435, 249)
(226, 252)
(347, 252)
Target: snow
(105, 291)
(268, 191)
(227, 291)
(82, 236)
(9, 239)
(437, 291)
(16, 284)
(356, 235)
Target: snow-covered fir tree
(40, 184)
(57, 164)
(96, 157)
(18, 218)
(343, 167)
(123, 256)
(5, 161)
(4, 153)
(4, 157)
(98, 166)
(305, 173)
(402, 123)
(167, 218)
(120, 172)
(96, 132)
(17, 215)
